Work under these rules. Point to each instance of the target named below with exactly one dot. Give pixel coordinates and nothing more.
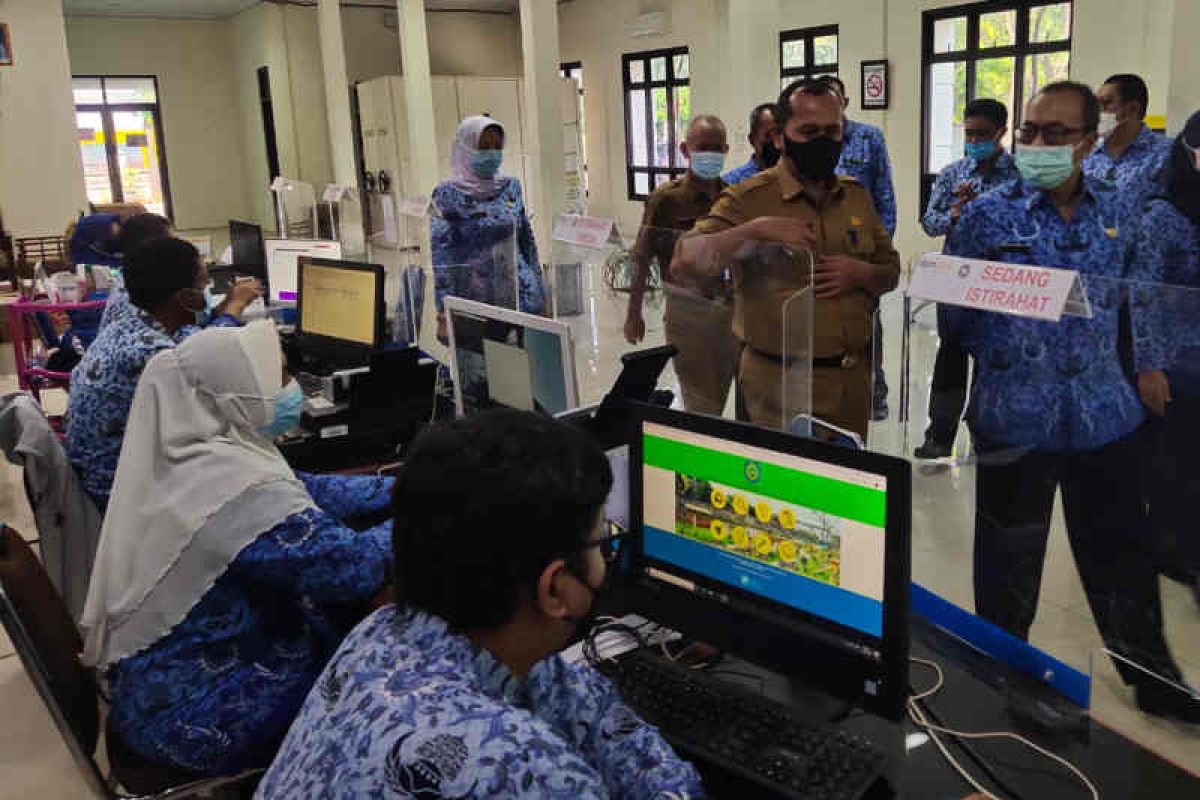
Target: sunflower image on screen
(764, 529)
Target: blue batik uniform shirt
(1139, 173)
(408, 708)
(741, 173)
(936, 221)
(1168, 252)
(1056, 387)
(865, 158)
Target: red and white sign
(577, 229)
(1024, 291)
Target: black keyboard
(743, 734)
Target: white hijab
(466, 144)
(196, 483)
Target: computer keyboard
(743, 734)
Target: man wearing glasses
(457, 690)
(1052, 407)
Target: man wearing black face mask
(458, 690)
(801, 203)
(762, 139)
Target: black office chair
(48, 643)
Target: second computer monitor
(281, 263)
(789, 552)
(340, 306)
(503, 358)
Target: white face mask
(1195, 151)
(1108, 124)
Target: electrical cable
(917, 714)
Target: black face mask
(815, 160)
(769, 155)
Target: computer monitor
(789, 552)
(281, 264)
(502, 358)
(340, 309)
(246, 244)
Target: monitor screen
(340, 300)
(281, 263)
(246, 243)
(796, 532)
(508, 359)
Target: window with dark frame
(1002, 49)
(119, 127)
(658, 107)
(807, 53)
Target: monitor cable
(922, 720)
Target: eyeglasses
(610, 544)
(1053, 133)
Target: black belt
(844, 361)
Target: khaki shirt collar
(696, 189)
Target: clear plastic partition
(1054, 484)
(483, 268)
(295, 208)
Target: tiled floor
(34, 763)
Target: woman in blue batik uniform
(480, 228)
(219, 573)
(1169, 248)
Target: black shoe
(932, 450)
(1169, 702)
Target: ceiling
(214, 9)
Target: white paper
(509, 375)
(593, 232)
(1026, 291)
(334, 193)
(612, 643)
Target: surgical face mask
(770, 154)
(486, 163)
(1108, 124)
(707, 165)
(981, 151)
(1195, 153)
(815, 159)
(1045, 166)
(289, 405)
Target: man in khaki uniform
(698, 318)
(801, 204)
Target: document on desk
(509, 376)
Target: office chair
(48, 644)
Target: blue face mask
(1045, 166)
(707, 166)
(981, 151)
(289, 405)
(486, 163)
(203, 316)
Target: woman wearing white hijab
(480, 230)
(218, 568)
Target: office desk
(363, 451)
(973, 699)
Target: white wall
(473, 43)
(593, 31)
(41, 171)
(198, 99)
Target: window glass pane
(87, 91)
(950, 35)
(637, 73)
(129, 90)
(996, 78)
(658, 68)
(793, 54)
(95, 157)
(682, 67)
(1043, 69)
(1050, 23)
(825, 50)
(662, 138)
(641, 183)
(637, 127)
(787, 80)
(660, 179)
(998, 29)
(683, 116)
(137, 158)
(947, 99)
